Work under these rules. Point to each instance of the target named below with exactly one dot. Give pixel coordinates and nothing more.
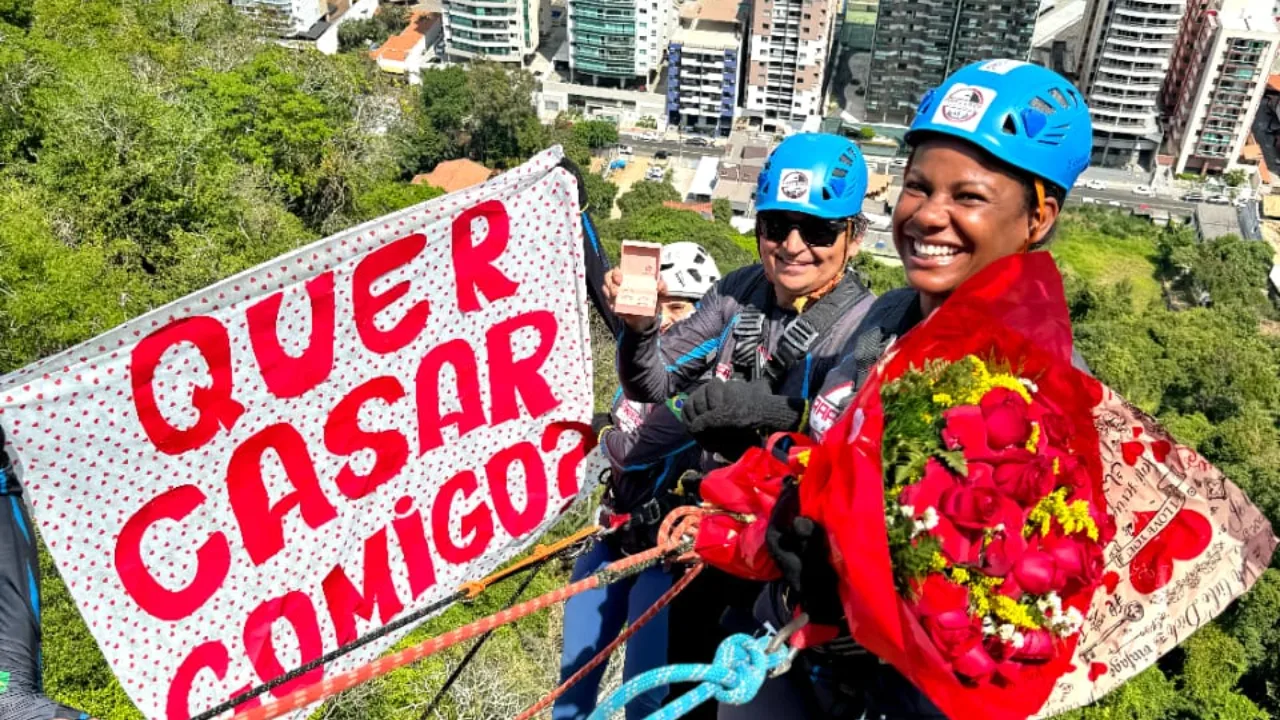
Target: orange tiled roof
(397, 48)
(1264, 172)
(455, 175)
(1273, 83)
(700, 208)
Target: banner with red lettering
(257, 474)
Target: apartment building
(618, 43)
(703, 65)
(919, 42)
(285, 17)
(498, 30)
(1224, 56)
(1129, 49)
(789, 48)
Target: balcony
(1120, 127)
(619, 69)
(463, 5)
(1169, 29)
(588, 39)
(1104, 97)
(602, 28)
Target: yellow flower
(943, 399)
(1033, 442)
(1073, 517)
(960, 575)
(802, 457)
(938, 563)
(1013, 612)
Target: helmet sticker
(794, 185)
(1000, 67)
(964, 106)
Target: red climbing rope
(624, 636)
(675, 538)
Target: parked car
(698, 140)
(1193, 197)
(651, 137)
(1143, 190)
(1095, 184)
(1089, 200)
(1115, 203)
(661, 156)
(625, 150)
(655, 173)
(899, 162)
(1218, 200)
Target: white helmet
(688, 270)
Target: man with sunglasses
(767, 333)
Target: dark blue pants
(594, 618)
(21, 688)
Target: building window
(806, 16)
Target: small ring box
(638, 293)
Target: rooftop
(709, 24)
(1246, 16)
(397, 48)
(1217, 220)
(718, 11)
(1273, 83)
(455, 175)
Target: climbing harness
(741, 665)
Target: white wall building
(1128, 50)
(625, 108)
(497, 30)
(1211, 106)
(287, 17)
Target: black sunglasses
(815, 231)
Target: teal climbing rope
(741, 665)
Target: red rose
(971, 508)
(1037, 647)
(1003, 552)
(939, 595)
(1036, 572)
(1006, 417)
(975, 665)
(1078, 564)
(966, 428)
(1027, 482)
(953, 632)
(1055, 430)
(929, 490)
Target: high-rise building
(789, 46)
(1225, 53)
(286, 17)
(1128, 52)
(919, 42)
(703, 66)
(497, 30)
(618, 43)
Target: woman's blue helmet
(1025, 115)
(814, 173)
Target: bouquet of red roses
(1010, 534)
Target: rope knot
(741, 668)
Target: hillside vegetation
(150, 148)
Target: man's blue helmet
(814, 173)
(1025, 115)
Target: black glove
(600, 421)
(740, 405)
(799, 547)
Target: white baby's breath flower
(1007, 632)
(907, 511)
(999, 528)
(988, 626)
(1029, 385)
(1018, 641)
(930, 518)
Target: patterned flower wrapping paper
(1188, 542)
(474, 456)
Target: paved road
(646, 147)
(1108, 198)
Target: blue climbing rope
(734, 677)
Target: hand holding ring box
(638, 293)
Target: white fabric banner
(257, 474)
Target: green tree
(446, 100)
(1235, 178)
(358, 34)
(867, 133)
(596, 134)
(878, 277)
(647, 194)
(502, 123)
(600, 195)
(722, 210)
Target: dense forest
(150, 148)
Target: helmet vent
(693, 273)
(1044, 107)
(1010, 127)
(699, 259)
(826, 194)
(845, 159)
(839, 173)
(1058, 96)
